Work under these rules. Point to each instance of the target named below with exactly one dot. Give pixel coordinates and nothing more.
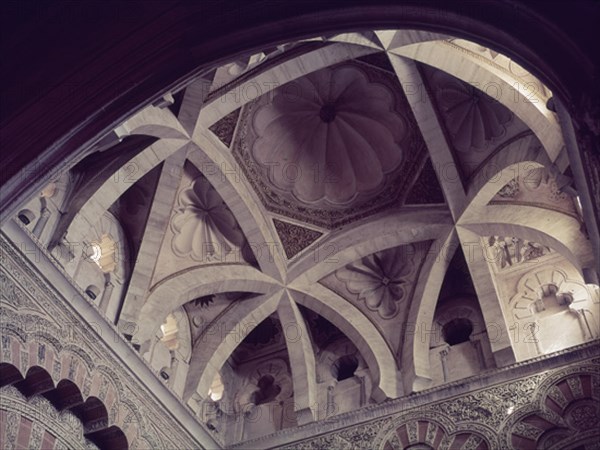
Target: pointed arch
(184, 286)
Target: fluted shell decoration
(473, 118)
(329, 136)
(203, 227)
(379, 279)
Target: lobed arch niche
(101, 264)
(460, 344)
(551, 312)
(344, 379)
(64, 401)
(170, 351)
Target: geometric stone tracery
(225, 127)
(294, 238)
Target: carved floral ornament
(203, 227)
(565, 414)
(433, 430)
(472, 117)
(64, 426)
(584, 415)
(539, 178)
(329, 136)
(67, 357)
(505, 251)
(543, 187)
(380, 279)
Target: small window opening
(344, 367)
(267, 390)
(457, 331)
(92, 291)
(26, 216)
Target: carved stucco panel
(77, 340)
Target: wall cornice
(459, 400)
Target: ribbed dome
(329, 136)
(204, 227)
(378, 279)
(472, 117)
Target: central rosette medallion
(329, 137)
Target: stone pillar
(477, 344)
(106, 294)
(534, 326)
(585, 324)
(41, 223)
(363, 390)
(180, 371)
(443, 356)
(330, 411)
(582, 148)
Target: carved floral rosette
(381, 279)
(329, 136)
(203, 226)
